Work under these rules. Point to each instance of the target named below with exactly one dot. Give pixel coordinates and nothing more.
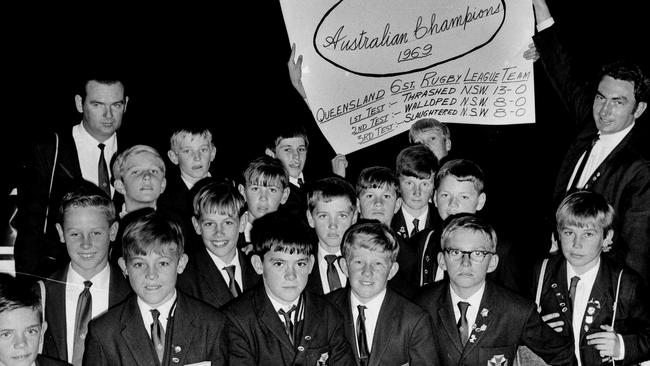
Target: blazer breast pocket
(496, 356)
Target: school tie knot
(301, 182)
(232, 283)
(463, 326)
(288, 323)
(572, 288)
(416, 227)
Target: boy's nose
(290, 273)
(20, 341)
(108, 112)
(605, 109)
(85, 242)
(152, 273)
(196, 156)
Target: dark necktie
(102, 172)
(84, 312)
(362, 339)
(581, 167)
(332, 275)
(463, 327)
(232, 284)
(158, 335)
(288, 323)
(300, 182)
(416, 229)
(572, 289)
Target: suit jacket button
(562, 304)
(301, 348)
(177, 349)
(564, 309)
(426, 271)
(308, 338)
(175, 360)
(554, 285)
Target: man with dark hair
(58, 161)
(606, 156)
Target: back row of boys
(263, 323)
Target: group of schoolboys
(253, 294)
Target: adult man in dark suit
(55, 342)
(57, 162)
(609, 142)
(120, 337)
(382, 327)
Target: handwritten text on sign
(373, 67)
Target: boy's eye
(273, 189)
(137, 265)
(567, 232)
(98, 233)
(163, 263)
(302, 264)
(208, 224)
(254, 188)
(204, 149)
(343, 215)
(185, 151)
(302, 149)
(229, 222)
(134, 172)
(321, 216)
(277, 264)
(33, 331)
(387, 196)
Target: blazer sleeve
(219, 351)
(93, 351)
(341, 352)
(636, 333)
(554, 348)
(421, 347)
(241, 351)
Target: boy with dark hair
(89, 285)
(382, 327)
(290, 145)
(159, 325)
(416, 168)
(479, 322)
(219, 272)
(265, 188)
(332, 206)
(21, 325)
(585, 295)
(378, 197)
(277, 322)
(192, 151)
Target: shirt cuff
(622, 352)
(545, 24)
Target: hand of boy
(339, 164)
(531, 53)
(606, 342)
(557, 325)
(295, 72)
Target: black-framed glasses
(476, 256)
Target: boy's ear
(59, 229)
(113, 230)
(242, 191)
(269, 152)
(393, 270)
(256, 261)
(310, 219)
(311, 262)
(607, 242)
(433, 197)
(441, 261)
(182, 262)
(344, 266)
(163, 185)
(494, 262)
(79, 103)
(122, 264)
(285, 195)
(119, 186)
(213, 153)
(172, 156)
(640, 108)
(398, 205)
(126, 103)
(197, 225)
(481, 201)
(41, 337)
(243, 221)
(448, 144)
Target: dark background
(227, 67)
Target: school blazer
(398, 224)
(504, 322)
(42, 360)
(403, 333)
(203, 280)
(632, 314)
(119, 337)
(55, 341)
(257, 336)
(623, 178)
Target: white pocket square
(204, 363)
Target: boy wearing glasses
(479, 322)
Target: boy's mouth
(87, 256)
(152, 287)
(219, 243)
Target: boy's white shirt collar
(474, 305)
(164, 309)
(189, 184)
(294, 181)
(371, 313)
(408, 218)
(221, 264)
(277, 306)
(76, 280)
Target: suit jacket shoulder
(42, 360)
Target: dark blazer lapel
(349, 323)
(313, 281)
(398, 224)
(559, 291)
(384, 329)
(312, 321)
(134, 333)
(609, 160)
(432, 217)
(488, 310)
(250, 278)
(448, 319)
(270, 319)
(118, 286)
(68, 158)
(183, 331)
(211, 275)
(57, 301)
